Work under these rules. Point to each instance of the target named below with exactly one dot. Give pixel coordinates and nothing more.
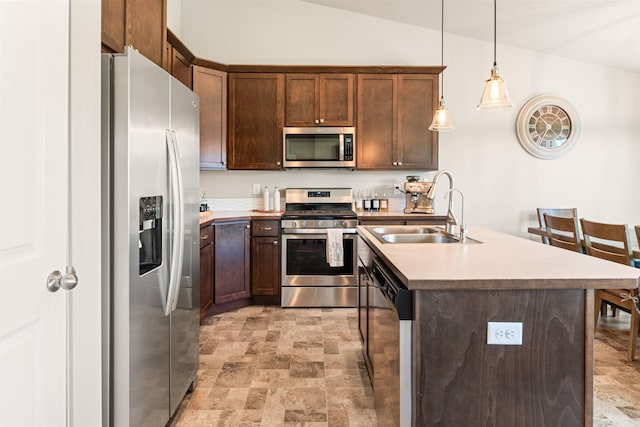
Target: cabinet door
(232, 255)
(211, 86)
(206, 278)
(265, 265)
(376, 121)
(181, 68)
(256, 119)
(113, 19)
(139, 23)
(146, 27)
(300, 99)
(417, 98)
(319, 100)
(335, 100)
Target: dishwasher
(392, 348)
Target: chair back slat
(565, 212)
(612, 241)
(563, 232)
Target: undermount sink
(414, 234)
(418, 238)
(404, 229)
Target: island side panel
(460, 380)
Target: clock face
(547, 126)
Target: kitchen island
(460, 380)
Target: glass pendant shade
(441, 120)
(494, 96)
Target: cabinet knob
(316, 121)
(275, 243)
(321, 120)
(248, 226)
(399, 163)
(266, 228)
(395, 163)
(204, 237)
(223, 163)
(277, 163)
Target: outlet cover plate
(504, 333)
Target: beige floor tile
(272, 367)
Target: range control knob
(344, 224)
(294, 224)
(319, 223)
(304, 223)
(335, 223)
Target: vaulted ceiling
(605, 32)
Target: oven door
(304, 261)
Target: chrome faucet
(462, 227)
(452, 222)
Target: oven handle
(323, 232)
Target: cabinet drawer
(265, 228)
(206, 235)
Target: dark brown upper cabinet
(211, 86)
(394, 113)
(138, 23)
(319, 100)
(256, 119)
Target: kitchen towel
(335, 251)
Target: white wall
(502, 183)
(173, 16)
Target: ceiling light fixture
(494, 95)
(441, 120)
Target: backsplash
(242, 204)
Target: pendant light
(441, 120)
(494, 95)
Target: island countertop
(499, 261)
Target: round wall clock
(547, 126)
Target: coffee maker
(416, 200)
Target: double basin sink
(414, 234)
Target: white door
(33, 216)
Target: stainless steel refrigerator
(150, 226)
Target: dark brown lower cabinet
(265, 260)
(232, 261)
(206, 269)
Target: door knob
(57, 280)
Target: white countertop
(500, 261)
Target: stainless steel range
(319, 247)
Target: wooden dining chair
(563, 232)
(565, 212)
(611, 242)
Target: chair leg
(603, 308)
(597, 307)
(633, 334)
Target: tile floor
(267, 366)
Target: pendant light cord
(495, 19)
(442, 51)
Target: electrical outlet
(397, 187)
(504, 333)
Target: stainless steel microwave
(319, 147)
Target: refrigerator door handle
(176, 191)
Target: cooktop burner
(318, 208)
(319, 214)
